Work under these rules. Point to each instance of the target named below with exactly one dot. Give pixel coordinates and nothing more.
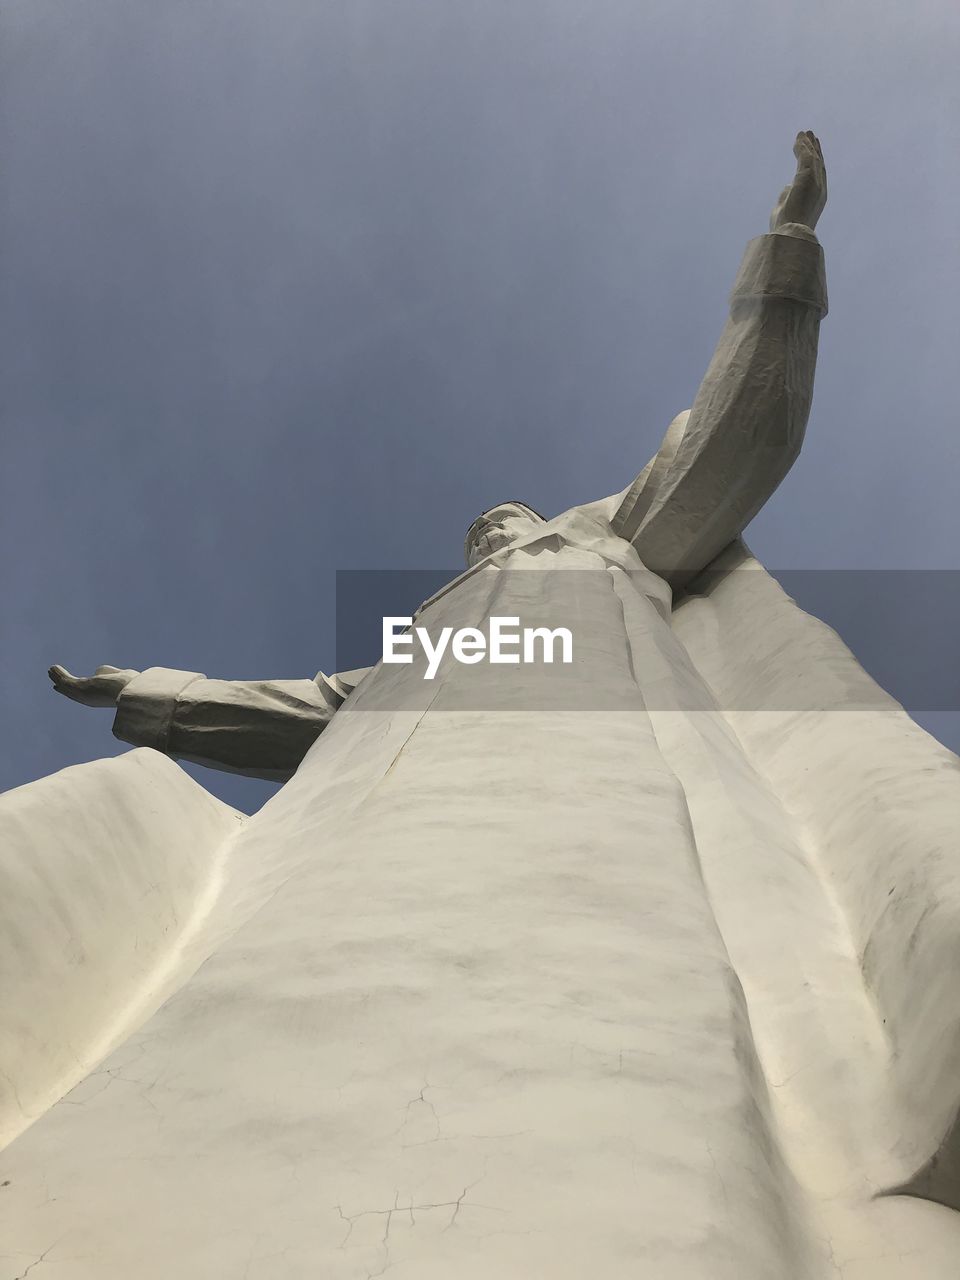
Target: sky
(294, 287)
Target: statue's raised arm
(260, 728)
(721, 461)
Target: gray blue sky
(289, 287)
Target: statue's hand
(102, 689)
(803, 201)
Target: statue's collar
(578, 528)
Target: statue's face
(498, 527)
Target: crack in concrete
(36, 1262)
(352, 1218)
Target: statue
(636, 967)
(718, 465)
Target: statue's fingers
(808, 171)
(70, 686)
(818, 170)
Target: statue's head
(498, 527)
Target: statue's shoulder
(599, 514)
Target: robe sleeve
(260, 728)
(721, 462)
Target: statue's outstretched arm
(721, 462)
(261, 728)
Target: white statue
(639, 967)
(719, 463)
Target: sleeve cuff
(783, 265)
(146, 707)
(337, 688)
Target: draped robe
(639, 967)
